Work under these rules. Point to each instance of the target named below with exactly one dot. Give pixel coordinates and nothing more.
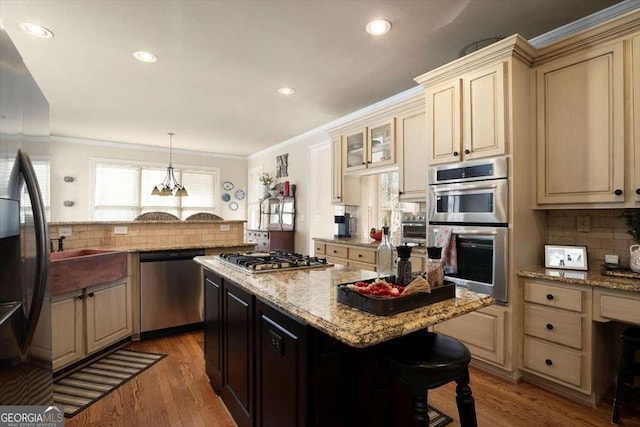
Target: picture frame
(565, 257)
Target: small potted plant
(632, 220)
(266, 180)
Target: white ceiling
(222, 61)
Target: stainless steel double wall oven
(469, 203)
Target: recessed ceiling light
(143, 56)
(287, 90)
(36, 30)
(378, 27)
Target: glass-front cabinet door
(355, 150)
(381, 144)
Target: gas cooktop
(264, 262)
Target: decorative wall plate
(226, 197)
(233, 206)
(240, 194)
(227, 185)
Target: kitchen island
(280, 350)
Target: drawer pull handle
(549, 297)
(550, 326)
(455, 154)
(359, 255)
(335, 252)
(467, 151)
(618, 192)
(549, 362)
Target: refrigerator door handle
(42, 248)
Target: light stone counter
(224, 247)
(310, 296)
(588, 278)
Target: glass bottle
(403, 275)
(435, 274)
(385, 255)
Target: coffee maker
(341, 225)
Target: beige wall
(608, 233)
(75, 159)
(308, 186)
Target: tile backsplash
(140, 234)
(604, 232)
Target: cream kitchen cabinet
(355, 256)
(412, 148)
(344, 189)
(465, 115)
(587, 90)
(108, 313)
(67, 328)
(556, 343)
(580, 127)
(370, 147)
(484, 332)
(87, 320)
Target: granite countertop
(310, 296)
(175, 247)
(363, 242)
(588, 278)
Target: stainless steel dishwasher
(170, 291)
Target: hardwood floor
(175, 392)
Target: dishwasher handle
(170, 255)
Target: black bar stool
(425, 360)
(629, 369)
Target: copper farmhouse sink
(77, 269)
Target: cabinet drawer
(336, 251)
(332, 260)
(362, 265)
(362, 255)
(553, 325)
(319, 248)
(620, 308)
(553, 296)
(553, 360)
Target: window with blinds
(123, 191)
(42, 170)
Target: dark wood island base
(272, 369)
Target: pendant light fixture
(169, 184)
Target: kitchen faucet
(60, 244)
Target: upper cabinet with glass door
(370, 147)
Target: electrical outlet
(225, 227)
(64, 231)
(120, 230)
(583, 223)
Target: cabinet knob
(364, 163)
(550, 326)
(335, 252)
(80, 297)
(337, 197)
(549, 362)
(637, 190)
(549, 297)
(467, 151)
(456, 154)
(90, 294)
(359, 255)
(618, 192)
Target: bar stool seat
(426, 360)
(629, 369)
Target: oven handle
(464, 186)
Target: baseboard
(494, 370)
(171, 331)
(576, 396)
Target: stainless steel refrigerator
(25, 300)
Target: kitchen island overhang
(309, 296)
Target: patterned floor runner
(86, 386)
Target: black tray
(389, 306)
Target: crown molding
(141, 147)
(415, 94)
